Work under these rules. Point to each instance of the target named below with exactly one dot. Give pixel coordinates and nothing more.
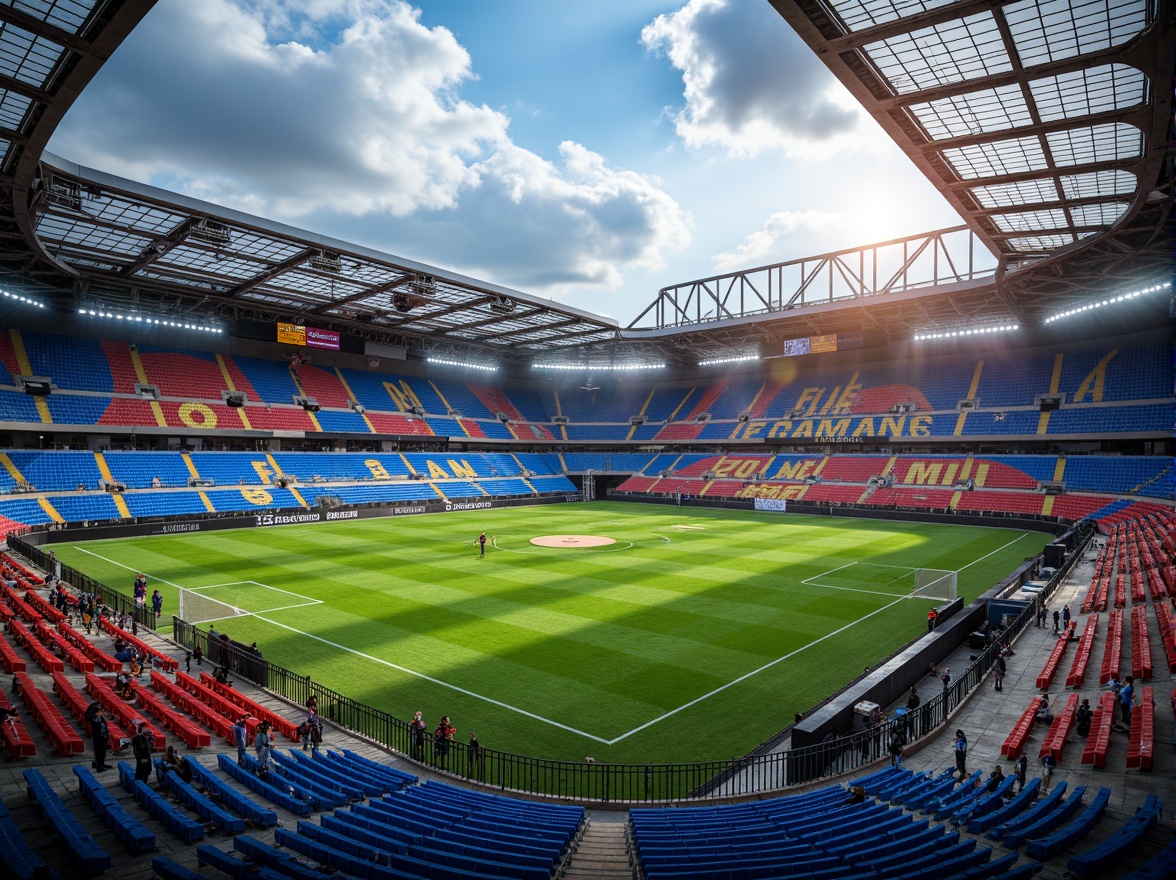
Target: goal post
(933, 583)
(195, 607)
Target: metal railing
(119, 602)
(604, 782)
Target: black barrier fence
(83, 583)
(605, 782)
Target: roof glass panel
(975, 113)
(1023, 192)
(12, 109)
(1098, 183)
(859, 14)
(950, 52)
(1101, 214)
(1028, 221)
(1000, 157)
(1099, 143)
(1094, 90)
(226, 265)
(69, 15)
(1040, 242)
(1050, 30)
(26, 57)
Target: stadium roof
(1043, 122)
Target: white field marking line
(377, 659)
(748, 675)
(601, 549)
(310, 600)
(814, 582)
(127, 567)
(437, 681)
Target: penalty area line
(436, 681)
(753, 672)
(129, 568)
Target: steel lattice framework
(1044, 122)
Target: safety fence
(81, 582)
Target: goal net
(933, 583)
(195, 607)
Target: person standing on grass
(482, 544)
(932, 616)
(157, 603)
(960, 748)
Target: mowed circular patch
(575, 542)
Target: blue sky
(590, 152)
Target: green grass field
(697, 635)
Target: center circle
(572, 541)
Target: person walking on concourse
(960, 747)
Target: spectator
(1048, 763)
(1022, 769)
(995, 778)
(262, 743)
(1127, 700)
(140, 747)
(416, 735)
(99, 735)
(960, 748)
(442, 737)
(240, 740)
(895, 748)
(474, 755)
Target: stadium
(720, 590)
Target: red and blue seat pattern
(1102, 392)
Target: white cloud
(348, 115)
(750, 84)
(763, 245)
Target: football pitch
(696, 635)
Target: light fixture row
(147, 319)
(1109, 301)
(487, 368)
(24, 299)
(728, 360)
(598, 368)
(967, 331)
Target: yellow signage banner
(291, 334)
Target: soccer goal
(195, 608)
(933, 583)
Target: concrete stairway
(602, 852)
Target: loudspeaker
(38, 389)
(1054, 555)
